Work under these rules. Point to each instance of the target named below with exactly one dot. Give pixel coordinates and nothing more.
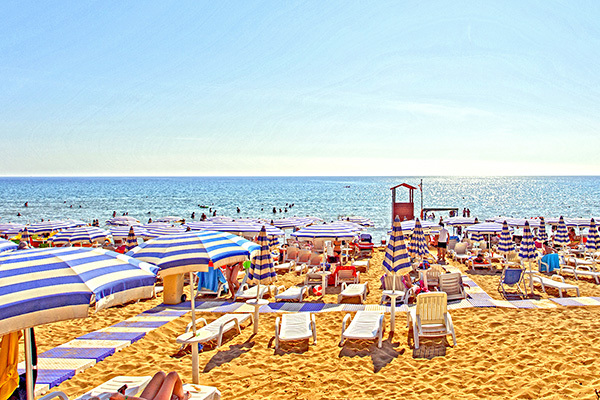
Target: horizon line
(289, 176)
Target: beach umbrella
(485, 228)
(292, 222)
(477, 237)
(192, 252)
(158, 231)
(427, 226)
(527, 249)
(219, 219)
(80, 235)
(235, 227)
(121, 232)
(417, 247)
(131, 241)
(41, 286)
(7, 227)
(460, 221)
(396, 260)
(170, 219)
(124, 220)
(593, 241)
(506, 243)
(359, 220)
(49, 226)
(7, 245)
(562, 236)
(261, 270)
(347, 224)
(325, 231)
(542, 234)
(25, 236)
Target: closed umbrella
(131, 241)
(396, 261)
(527, 250)
(477, 237)
(40, 286)
(417, 247)
(593, 240)
(542, 234)
(25, 236)
(80, 235)
(121, 232)
(261, 270)
(506, 244)
(561, 238)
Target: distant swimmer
(193, 215)
(285, 209)
(274, 210)
(19, 215)
(71, 206)
(26, 204)
(149, 220)
(215, 213)
(238, 210)
(114, 213)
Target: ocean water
(324, 197)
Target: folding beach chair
(511, 277)
(430, 317)
(296, 326)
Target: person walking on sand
(442, 244)
(161, 387)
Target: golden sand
(501, 353)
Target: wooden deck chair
(366, 325)
(511, 277)
(430, 317)
(452, 285)
(296, 326)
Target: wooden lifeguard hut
(406, 211)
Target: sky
(299, 88)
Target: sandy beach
(501, 353)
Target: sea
(88, 198)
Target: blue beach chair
(511, 277)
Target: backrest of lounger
(292, 253)
(304, 256)
(450, 283)
(431, 307)
(461, 248)
(512, 276)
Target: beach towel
(551, 260)
(210, 280)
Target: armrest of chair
(585, 267)
(559, 278)
(189, 326)
(52, 395)
(344, 322)
(344, 286)
(357, 277)
(278, 289)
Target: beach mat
(130, 336)
(89, 353)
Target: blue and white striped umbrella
(7, 245)
(121, 232)
(593, 241)
(366, 222)
(562, 236)
(192, 251)
(485, 228)
(427, 226)
(40, 286)
(237, 228)
(506, 243)
(25, 236)
(81, 235)
(125, 220)
(9, 227)
(169, 219)
(460, 221)
(527, 247)
(261, 271)
(417, 247)
(49, 226)
(326, 231)
(163, 231)
(477, 237)
(396, 260)
(131, 241)
(542, 234)
(12, 232)
(219, 219)
(292, 222)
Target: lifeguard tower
(406, 211)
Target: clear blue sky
(300, 88)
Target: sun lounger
(405, 293)
(452, 285)
(362, 264)
(366, 325)
(556, 282)
(294, 293)
(579, 270)
(430, 317)
(347, 274)
(296, 326)
(302, 261)
(247, 293)
(460, 252)
(213, 330)
(135, 385)
(359, 290)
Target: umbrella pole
(195, 366)
(393, 310)
(29, 364)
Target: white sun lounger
(135, 385)
(294, 293)
(354, 290)
(296, 326)
(214, 330)
(558, 283)
(579, 270)
(366, 325)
